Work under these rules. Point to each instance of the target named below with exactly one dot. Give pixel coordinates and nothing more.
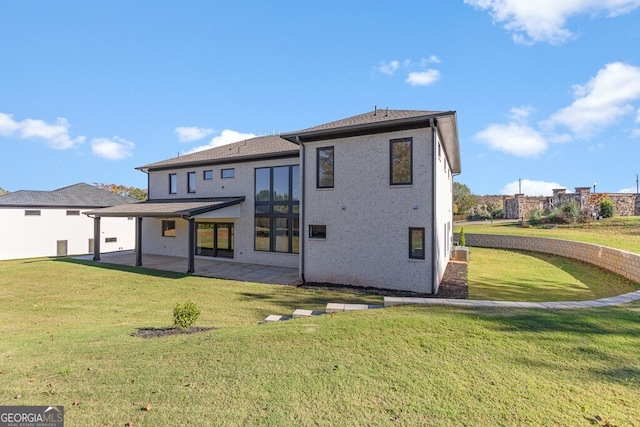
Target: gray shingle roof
(254, 148)
(74, 196)
(376, 116)
(168, 208)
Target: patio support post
(139, 241)
(96, 238)
(192, 245)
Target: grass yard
(510, 275)
(618, 232)
(66, 340)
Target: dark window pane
(281, 209)
(173, 183)
(207, 175)
(168, 228)
(295, 183)
(325, 167)
(416, 243)
(282, 234)
(401, 162)
(281, 183)
(263, 184)
(191, 182)
(295, 242)
(263, 209)
(318, 231)
(295, 208)
(228, 173)
(263, 231)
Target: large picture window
(277, 209)
(324, 167)
(401, 161)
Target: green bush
(186, 315)
(607, 208)
(462, 240)
(535, 217)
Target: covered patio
(206, 267)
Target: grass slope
(66, 338)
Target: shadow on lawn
(120, 267)
(580, 322)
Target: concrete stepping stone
(276, 318)
(305, 313)
(335, 307)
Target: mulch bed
(453, 285)
(164, 332)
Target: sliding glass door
(214, 239)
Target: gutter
(432, 125)
(302, 207)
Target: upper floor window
(207, 175)
(228, 173)
(73, 213)
(191, 182)
(173, 183)
(32, 212)
(324, 167)
(401, 161)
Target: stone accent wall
(624, 263)
(520, 206)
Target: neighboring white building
(51, 223)
(372, 195)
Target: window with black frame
(277, 209)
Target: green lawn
(619, 232)
(509, 275)
(66, 328)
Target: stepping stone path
(332, 307)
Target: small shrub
(185, 315)
(535, 217)
(586, 216)
(462, 241)
(607, 208)
(570, 212)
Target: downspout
(302, 206)
(432, 125)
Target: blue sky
(549, 94)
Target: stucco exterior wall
(367, 219)
(243, 184)
(24, 236)
(624, 263)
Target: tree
(463, 200)
(123, 190)
(3, 191)
(607, 208)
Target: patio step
(335, 307)
(276, 318)
(305, 313)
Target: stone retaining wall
(624, 263)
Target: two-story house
(364, 201)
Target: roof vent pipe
(375, 110)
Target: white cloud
(227, 136)
(389, 68)
(517, 139)
(423, 78)
(638, 116)
(627, 190)
(531, 188)
(115, 148)
(430, 60)
(55, 135)
(521, 114)
(544, 20)
(192, 133)
(600, 102)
